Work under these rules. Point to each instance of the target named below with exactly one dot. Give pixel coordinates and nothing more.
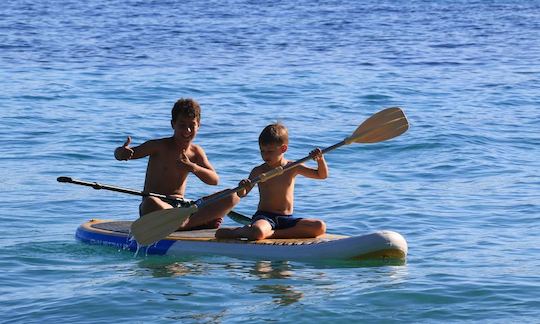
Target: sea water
(461, 185)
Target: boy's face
(272, 154)
(185, 129)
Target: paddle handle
(99, 186)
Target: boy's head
(274, 134)
(186, 116)
(188, 108)
(273, 143)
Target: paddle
(382, 126)
(239, 218)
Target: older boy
(170, 161)
(273, 218)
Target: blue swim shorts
(277, 221)
(179, 202)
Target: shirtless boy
(171, 160)
(273, 218)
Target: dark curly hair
(186, 108)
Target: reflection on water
(281, 283)
(281, 294)
(369, 263)
(272, 270)
(165, 267)
(162, 266)
(209, 317)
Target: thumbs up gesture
(124, 152)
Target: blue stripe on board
(123, 242)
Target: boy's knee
(234, 199)
(230, 200)
(255, 234)
(319, 227)
(150, 201)
(150, 204)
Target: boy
(273, 218)
(171, 160)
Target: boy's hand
(124, 152)
(246, 183)
(316, 154)
(185, 162)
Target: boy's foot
(227, 233)
(216, 223)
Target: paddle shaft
(99, 186)
(237, 217)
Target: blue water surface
(461, 185)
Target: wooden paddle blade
(382, 126)
(155, 226)
(239, 218)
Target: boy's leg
(259, 230)
(212, 213)
(233, 233)
(151, 204)
(305, 228)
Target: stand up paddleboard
(383, 245)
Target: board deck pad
(123, 227)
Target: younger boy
(170, 161)
(273, 218)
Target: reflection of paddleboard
(380, 245)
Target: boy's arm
(125, 152)
(322, 168)
(201, 168)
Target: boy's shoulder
(263, 167)
(160, 141)
(258, 169)
(161, 144)
(196, 148)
